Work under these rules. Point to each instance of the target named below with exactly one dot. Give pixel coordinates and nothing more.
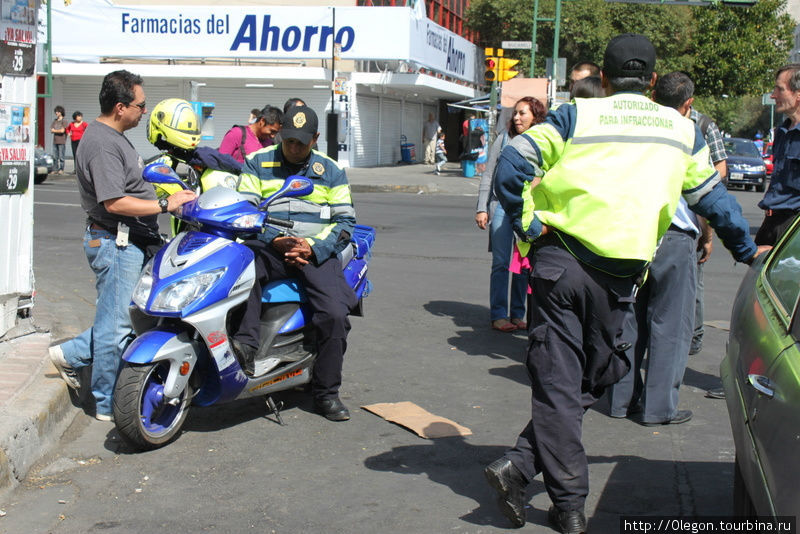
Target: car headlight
(143, 287)
(49, 159)
(178, 295)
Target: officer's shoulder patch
(325, 157)
(318, 168)
(270, 163)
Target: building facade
(392, 66)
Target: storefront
(244, 57)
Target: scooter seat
(285, 290)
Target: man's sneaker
(60, 363)
(104, 417)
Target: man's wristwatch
(163, 203)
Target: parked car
(745, 166)
(42, 165)
(767, 157)
(761, 379)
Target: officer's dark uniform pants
(330, 299)
(575, 318)
(774, 225)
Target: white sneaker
(60, 363)
(104, 417)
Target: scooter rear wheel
(141, 412)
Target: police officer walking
(612, 170)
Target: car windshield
(741, 147)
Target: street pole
(332, 124)
(533, 35)
(556, 36)
(492, 112)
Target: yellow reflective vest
(612, 170)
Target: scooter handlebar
(279, 222)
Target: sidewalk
(417, 178)
(35, 404)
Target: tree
(585, 29)
(738, 50)
(726, 50)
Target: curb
(34, 420)
(415, 189)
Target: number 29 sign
(17, 59)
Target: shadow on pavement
(455, 463)
(476, 338)
(661, 487)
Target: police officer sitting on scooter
(323, 224)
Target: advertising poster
(15, 135)
(17, 59)
(17, 37)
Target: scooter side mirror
(293, 186)
(160, 173)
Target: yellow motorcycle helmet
(174, 122)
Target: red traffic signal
(491, 69)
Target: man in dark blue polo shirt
(782, 200)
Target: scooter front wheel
(143, 415)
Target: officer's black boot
(246, 355)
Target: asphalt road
(424, 339)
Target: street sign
(517, 45)
(766, 100)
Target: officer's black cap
(624, 48)
(301, 123)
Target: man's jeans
(502, 239)
(59, 154)
(117, 270)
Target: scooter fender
(174, 346)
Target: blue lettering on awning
(271, 37)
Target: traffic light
(492, 64)
(504, 69)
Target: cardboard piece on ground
(420, 421)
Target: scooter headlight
(143, 287)
(251, 221)
(178, 295)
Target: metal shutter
(365, 126)
(413, 121)
(390, 131)
(233, 105)
(84, 96)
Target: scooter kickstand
(274, 408)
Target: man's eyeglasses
(141, 106)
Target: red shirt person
(75, 131)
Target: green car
(761, 378)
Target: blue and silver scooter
(184, 301)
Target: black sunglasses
(141, 106)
